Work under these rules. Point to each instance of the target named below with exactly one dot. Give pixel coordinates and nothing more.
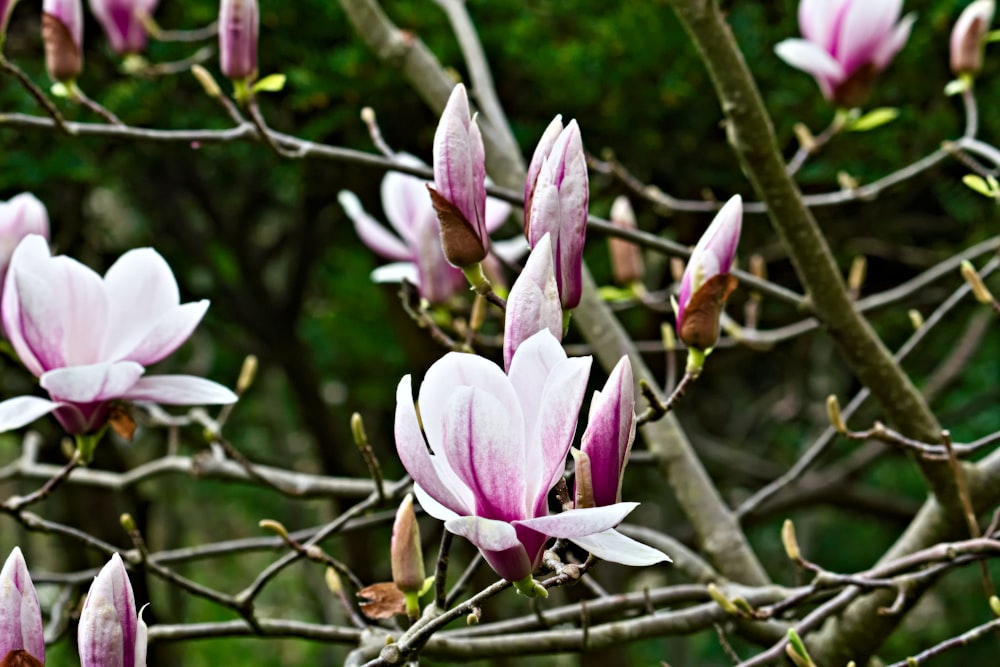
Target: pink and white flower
(111, 633)
(20, 616)
(19, 216)
(846, 43)
(89, 339)
(497, 445)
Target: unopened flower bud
(969, 36)
(21, 640)
(62, 32)
(238, 30)
(406, 555)
(122, 21)
(111, 631)
(626, 257)
(979, 289)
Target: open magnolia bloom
(846, 43)
(497, 445)
(416, 245)
(89, 339)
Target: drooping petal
(179, 390)
(486, 449)
(371, 232)
(21, 411)
(20, 615)
(91, 383)
(612, 546)
(812, 59)
(498, 542)
(433, 477)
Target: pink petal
(109, 621)
(91, 383)
(818, 20)
(865, 26)
(141, 288)
(405, 199)
(485, 447)
(559, 411)
(21, 411)
(454, 151)
(546, 211)
(611, 545)
(32, 251)
(180, 390)
(431, 474)
(20, 615)
(610, 433)
(498, 543)
(530, 367)
(371, 232)
(542, 150)
(497, 212)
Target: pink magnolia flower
(706, 283)
(533, 303)
(121, 22)
(556, 199)
(416, 246)
(497, 445)
(459, 192)
(89, 339)
(20, 616)
(111, 632)
(62, 32)
(847, 42)
(20, 216)
(239, 25)
(968, 37)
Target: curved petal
(889, 47)
(371, 232)
(559, 412)
(818, 20)
(21, 411)
(498, 543)
(542, 150)
(431, 506)
(140, 288)
(432, 475)
(533, 303)
(612, 546)
(581, 522)
(610, 433)
(486, 449)
(91, 383)
(865, 26)
(180, 390)
(172, 329)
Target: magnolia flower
(111, 633)
(417, 248)
(600, 465)
(847, 42)
(122, 23)
(19, 216)
(487, 448)
(239, 25)
(459, 192)
(533, 302)
(62, 32)
(968, 37)
(88, 339)
(706, 283)
(556, 197)
(21, 638)
(626, 257)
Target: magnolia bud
(122, 21)
(62, 32)
(21, 640)
(626, 258)
(969, 35)
(406, 555)
(238, 28)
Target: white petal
(371, 232)
(180, 390)
(615, 547)
(95, 382)
(397, 272)
(21, 411)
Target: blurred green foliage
(266, 240)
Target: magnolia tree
(515, 436)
